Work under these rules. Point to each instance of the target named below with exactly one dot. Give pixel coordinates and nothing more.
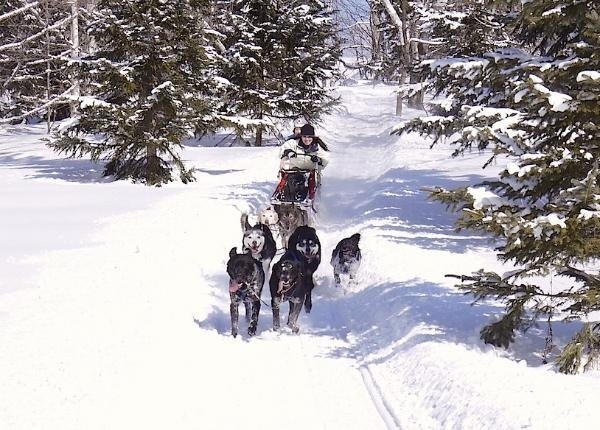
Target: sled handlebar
(290, 153)
(297, 170)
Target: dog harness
(281, 289)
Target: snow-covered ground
(114, 307)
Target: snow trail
(115, 310)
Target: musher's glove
(315, 159)
(288, 153)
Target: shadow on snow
(397, 203)
(71, 170)
(384, 319)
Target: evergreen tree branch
(585, 345)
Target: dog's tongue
(233, 286)
(281, 287)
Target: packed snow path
(114, 311)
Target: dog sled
(296, 186)
(294, 200)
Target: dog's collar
(281, 289)
(308, 258)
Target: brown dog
(291, 216)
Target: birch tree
(34, 56)
(401, 54)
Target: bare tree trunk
(152, 171)
(404, 45)
(152, 160)
(399, 104)
(416, 100)
(399, 96)
(49, 108)
(258, 141)
(91, 42)
(376, 36)
(396, 21)
(75, 53)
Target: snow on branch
(18, 11)
(37, 35)
(427, 42)
(588, 75)
(395, 20)
(58, 99)
(12, 75)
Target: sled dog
(258, 240)
(290, 217)
(268, 216)
(246, 279)
(288, 283)
(305, 240)
(346, 258)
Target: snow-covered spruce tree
(461, 34)
(152, 87)
(464, 29)
(543, 113)
(311, 54)
(278, 58)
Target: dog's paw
(337, 280)
(234, 333)
(308, 304)
(252, 330)
(307, 307)
(293, 327)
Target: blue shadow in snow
(71, 170)
(398, 198)
(388, 318)
(219, 318)
(217, 172)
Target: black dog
(305, 240)
(246, 279)
(345, 258)
(295, 188)
(288, 282)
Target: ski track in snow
(379, 400)
(138, 274)
(125, 324)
